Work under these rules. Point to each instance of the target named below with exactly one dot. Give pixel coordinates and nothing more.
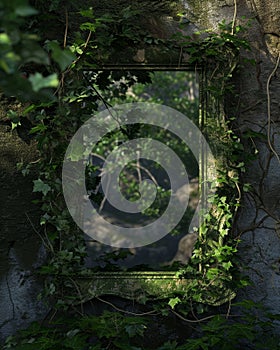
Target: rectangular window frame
(143, 285)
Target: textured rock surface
(259, 216)
(20, 250)
(260, 249)
(258, 222)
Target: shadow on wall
(21, 249)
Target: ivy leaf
(247, 187)
(76, 153)
(14, 118)
(87, 13)
(131, 330)
(227, 265)
(173, 302)
(40, 186)
(39, 82)
(38, 128)
(62, 57)
(14, 125)
(88, 26)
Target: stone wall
(20, 245)
(260, 215)
(258, 222)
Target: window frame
(143, 285)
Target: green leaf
(247, 187)
(227, 265)
(14, 118)
(14, 125)
(38, 128)
(40, 186)
(39, 82)
(76, 152)
(62, 57)
(212, 273)
(88, 26)
(173, 302)
(87, 13)
(4, 39)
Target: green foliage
(61, 111)
(175, 89)
(249, 328)
(81, 93)
(19, 48)
(110, 330)
(40, 186)
(63, 57)
(39, 82)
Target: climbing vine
(62, 76)
(55, 121)
(77, 98)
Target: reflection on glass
(176, 89)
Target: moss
(13, 148)
(198, 12)
(140, 286)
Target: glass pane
(176, 89)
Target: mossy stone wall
(259, 216)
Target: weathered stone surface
(20, 245)
(259, 216)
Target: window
(178, 89)
(162, 109)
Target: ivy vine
(61, 81)
(55, 121)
